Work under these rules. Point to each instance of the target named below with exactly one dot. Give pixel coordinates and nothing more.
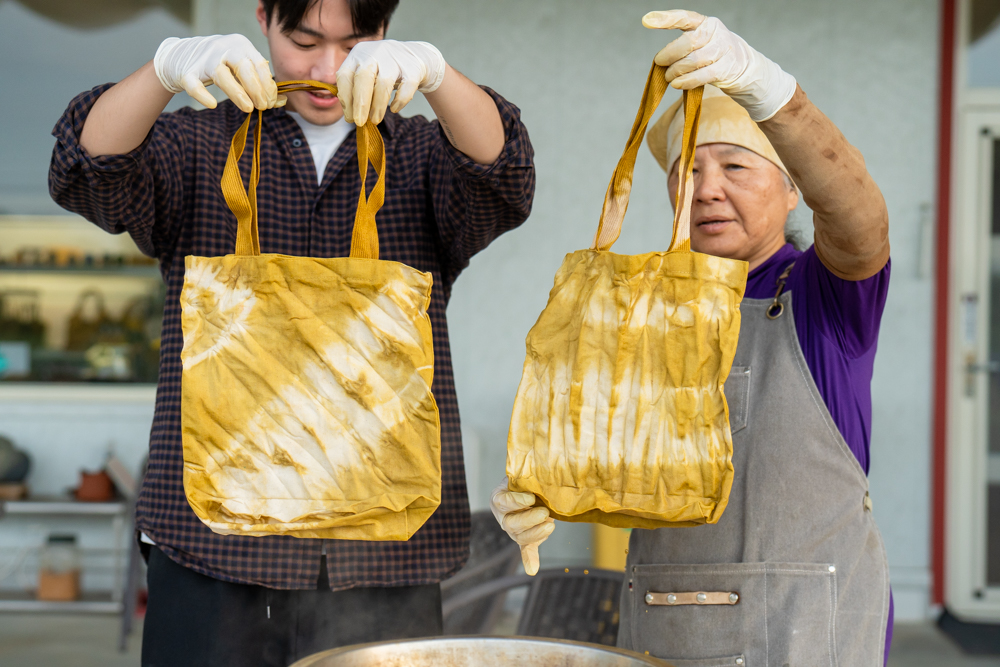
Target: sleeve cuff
(69, 152)
(516, 151)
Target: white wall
(43, 65)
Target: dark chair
(568, 603)
(492, 555)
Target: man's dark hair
(368, 16)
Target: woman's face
(741, 202)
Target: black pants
(194, 620)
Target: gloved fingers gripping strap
(617, 196)
(243, 203)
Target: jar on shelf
(59, 569)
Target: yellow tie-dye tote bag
(620, 416)
(306, 405)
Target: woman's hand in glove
(526, 524)
(374, 69)
(708, 53)
(229, 61)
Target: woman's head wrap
(723, 121)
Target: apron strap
(243, 203)
(776, 308)
(617, 195)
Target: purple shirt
(837, 323)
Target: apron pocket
(737, 393)
(771, 613)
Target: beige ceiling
(100, 13)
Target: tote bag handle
(243, 203)
(616, 198)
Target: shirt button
(297, 142)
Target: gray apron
(794, 574)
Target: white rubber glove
(229, 61)
(373, 69)
(527, 525)
(708, 53)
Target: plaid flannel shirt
(440, 209)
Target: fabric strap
(616, 198)
(243, 203)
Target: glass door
(990, 368)
(973, 509)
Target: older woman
(795, 572)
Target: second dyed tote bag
(620, 416)
(306, 405)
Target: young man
(453, 185)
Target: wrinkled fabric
(306, 405)
(620, 416)
(306, 397)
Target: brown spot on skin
(846, 244)
(831, 155)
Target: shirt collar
(785, 255)
(387, 127)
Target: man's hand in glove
(229, 61)
(526, 524)
(708, 53)
(374, 69)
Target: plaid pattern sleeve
(144, 189)
(475, 203)
(440, 208)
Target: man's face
(314, 50)
(740, 205)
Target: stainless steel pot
(479, 652)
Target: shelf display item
(620, 416)
(14, 467)
(14, 463)
(19, 319)
(95, 487)
(59, 569)
(15, 360)
(84, 331)
(306, 404)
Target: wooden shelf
(62, 507)
(89, 603)
(36, 393)
(138, 271)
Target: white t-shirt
(324, 140)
